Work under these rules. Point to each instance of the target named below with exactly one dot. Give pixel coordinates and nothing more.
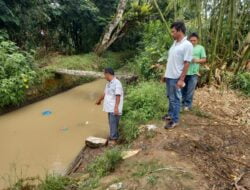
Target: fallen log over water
(94, 74)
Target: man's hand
(98, 102)
(163, 79)
(116, 110)
(202, 60)
(180, 83)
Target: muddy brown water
(33, 144)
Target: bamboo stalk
(162, 16)
(215, 43)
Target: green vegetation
(90, 184)
(51, 182)
(104, 164)
(16, 73)
(242, 82)
(88, 61)
(152, 179)
(198, 112)
(55, 182)
(151, 59)
(67, 26)
(145, 168)
(144, 101)
(101, 167)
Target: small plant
(150, 134)
(106, 163)
(196, 111)
(144, 168)
(152, 179)
(25, 184)
(54, 182)
(90, 184)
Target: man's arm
(99, 101)
(187, 59)
(202, 60)
(180, 83)
(117, 102)
(203, 57)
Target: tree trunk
(199, 9)
(113, 30)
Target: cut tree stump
(126, 77)
(95, 142)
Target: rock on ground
(95, 142)
(116, 186)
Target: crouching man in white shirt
(113, 102)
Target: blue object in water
(46, 113)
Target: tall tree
(113, 30)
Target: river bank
(209, 150)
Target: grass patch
(105, 163)
(150, 134)
(88, 61)
(196, 111)
(143, 102)
(152, 179)
(90, 184)
(51, 182)
(101, 167)
(144, 168)
(54, 182)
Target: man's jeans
(188, 90)
(113, 125)
(174, 97)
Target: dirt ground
(210, 150)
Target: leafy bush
(151, 59)
(104, 164)
(16, 73)
(242, 82)
(143, 102)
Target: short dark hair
(194, 34)
(179, 26)
(109, 71)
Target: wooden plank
(74, 165)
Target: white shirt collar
(184, 39)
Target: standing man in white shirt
(179, 57)
(113, 103)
